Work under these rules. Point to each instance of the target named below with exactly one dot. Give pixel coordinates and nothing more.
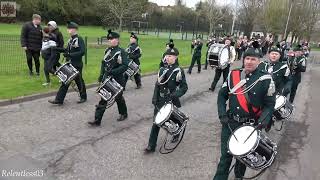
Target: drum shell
(66, 73)
(262, 148)
(284, 111)
(133, 69)
(111, 87)
(177, 117)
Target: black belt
(242, 119)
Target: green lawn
(16, 82)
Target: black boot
(122, 117)
(211, 89)
(94, 123)
(55, 102)
(82, 100)
(149, 150)
(138, 86)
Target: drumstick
(264, 118)
(232, 133)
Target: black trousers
(195, 59)
(293, 91)
(217, 76)
(137, 79)
(46, 69)
(101, 107)
(80, 84)
(206, 61)
(35, 54)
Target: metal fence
(13, 57)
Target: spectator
(49, 53)
(54, 31)
(31, 42)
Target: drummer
(279, 70)
(74, 52)
(170, 86)
(226, 70)
(134, 53)
(114, 64)
(254, 106)
(169, 45)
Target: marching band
(257, 94)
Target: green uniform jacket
(260, 96)
(197, 48)
(297, 65)
(114, 63)
(280, 74)
(170, 89)
(76, 49)
(134, 52)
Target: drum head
(163, 113)
(280, 101)
(224, 56)
(239, 148)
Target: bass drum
(224, 57)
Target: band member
(114, 64)
(226, 70)
(297, 65)
(197, 47)
(74, 52)
(280, 71)
(170, 86)
(169, 45)
(209, 43)
(134, 53)
(251, 100)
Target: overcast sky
(189, 3)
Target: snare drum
(109, 90)
(171, 119)
(133, 69)
(282, 109)
(257, 153)
(66, 73)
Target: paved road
(38, 136)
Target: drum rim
(61, 67)
(254, 147)
(171, 110)
(103, 83)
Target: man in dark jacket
(31, 42)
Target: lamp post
(285, 30)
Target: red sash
(236, 77)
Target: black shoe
(122, 117)
(211, 89)
(94, 123)
(37, 74)
(55, 102)
(31, 73)
(189, 72)
(138, 87)
(199, 71)
(205, 68)
(82, 101)
(149, 150)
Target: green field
(14, 84)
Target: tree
(248, 14)
(213, 13)
(117, 11)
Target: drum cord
(170, 150)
